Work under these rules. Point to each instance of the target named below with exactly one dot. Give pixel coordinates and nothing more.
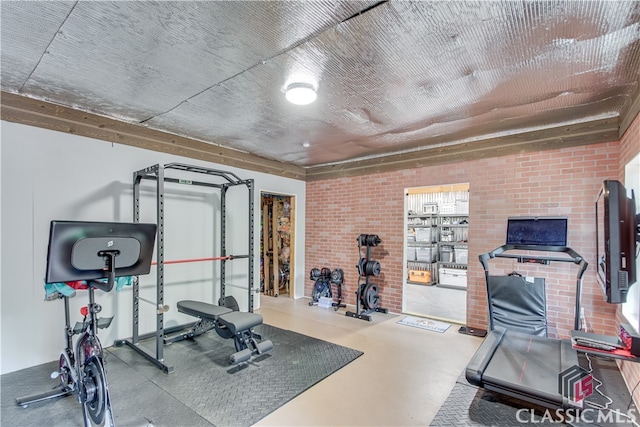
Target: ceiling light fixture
(301, 93)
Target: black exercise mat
(203, 390)
(468, 405)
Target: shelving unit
(453, 252)
(437, 249)
(422, 249)
(276, 241)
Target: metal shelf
(421, 283)
(451, 286)
(456, 230)
(456, 264)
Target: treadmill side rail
(482, 357)
(568, 359)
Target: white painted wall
(47, 175)
(631, 309)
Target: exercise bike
(81, 367)
(83, 373)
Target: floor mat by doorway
(203, 390)
(428, 324)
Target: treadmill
(517, 363)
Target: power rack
(185, 175)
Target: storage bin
(411, 254)
(452, 277)
(430, 208)
(462, 207)
(420, 276)
(446, 254)
(461, 255)
(426, 254)
(446, 236)
(426, 234)
(447, 208)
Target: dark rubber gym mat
(468, 405)
(203, 390)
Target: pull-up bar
(219, 258)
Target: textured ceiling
(392, 77)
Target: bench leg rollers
(241, 356)
(264, 346)
(247, 353)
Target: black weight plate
(370, 297)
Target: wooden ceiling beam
(593, 132)
(630, 113)
(38, 113)
(33, 112)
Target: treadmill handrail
(573, 257)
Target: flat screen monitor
(537, 231)
(616, 237)
(76, 249)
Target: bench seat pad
(238, 321)
(202, 309)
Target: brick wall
(556, 182)
(560, 182)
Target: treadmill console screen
(537, 231)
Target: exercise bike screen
(83, 253)
(76, 249)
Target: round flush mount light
(301, 93)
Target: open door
(436, 252)
(276, 244)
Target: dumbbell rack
(367, 297)
(323, 279)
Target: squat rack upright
(157, 173)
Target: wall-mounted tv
(76, 247)
(537, 231)
(616, 237)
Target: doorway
(276, 244)
(436, 252)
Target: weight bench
(228, 324)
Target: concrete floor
(402, 379)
